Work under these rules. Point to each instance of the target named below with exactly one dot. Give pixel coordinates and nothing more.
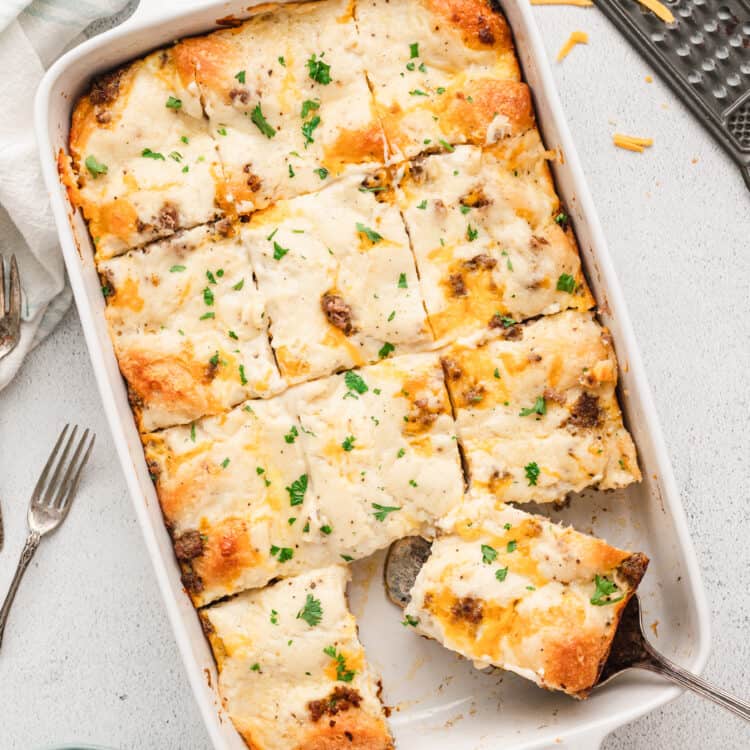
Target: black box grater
(704, 55)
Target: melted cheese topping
(576, 37)
(384, 462)
(516, 591)
(268, 66)
(345, 249)
(131, 198)
(537, 413)
(483, 230)
(278, 681)
(188, 326)
(439, 70)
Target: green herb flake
(423, 205)
(319, 71)
(261, 123)
(501, 574)
(240, 76)
(410, 621)
(371, 234)
(255, 667)
(292, 435)
(225, 463)
(177, 269)
(418, 92)
(342, 673)
(447, 146)
(532, 473)
(239, 285)
(322, 172)
(402, 281)
(312, 612)
(173, 103)
(566, 283)
(488, 554)
(512, 546)
(414, 50)
(471, 233)
(94, 166)
(149, 154)
(401, 453)
(307, 106)
(539, 407)
(606, 592)
(282, 61)
(385, 350)
(308, 128)
(278, 251)
(291, 171)
(208, 296)
(297, 490)
(192, 432)
(274, 617)
(243, 378)
(348, 443)
(382, 511)
(207, 316)
(354, 382)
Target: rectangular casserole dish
(437, 700)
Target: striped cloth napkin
(32, 36)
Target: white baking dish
(439, 701)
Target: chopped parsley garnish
(471, 233)
(192, 432)
(291, 171)
(566, 283)
(322, 172)
(414, 50)
(501, 574)
(439, 89)
(184, 139)
(240, 76)
(511, 546)
(418, 92)
(274, 617)
(447, 146)
(261, 123)
(175, 156)
(327, 529)
(94, 166)
(532, 472)
(259, 470)
(347, 558)
(422, 205)
(292, 435)
(210, 276)
(221, 130)
(284, 553)
(348, 443)
(177, 269)
(386, 349)
(307, 105)
(342, 673)
(207, 316)
(410, 621)
(402, 281)
(371, 234)
(506, 320)
(488, 554)
(308, 127)
(411, 66)
(255, 667)
(401, 453)
(605, 589)
(497, 373)
(319, 71)
(243, 378)
(208, 296)
(381, 511)
(278, 251)
(297, 490)
(225, 463)
(413, 483)
(282, 61)
(465, 209)
(173, 102)
(312, 612)
(354, 382)
(507, 526)
(149, 154)
(233, 335)
(562, 219)
(392, 315)
(540, 407)
(239, 285)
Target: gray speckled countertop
(89, 655)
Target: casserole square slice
(516, 591)
(536, 409)
(287, 99)
(144, 163)
(382, 452)
(442, 72)
(235, 494)
(485, 227)
(339, 278)
(188, 326)
(292, 671)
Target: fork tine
(2, 286)
(67, 499)
(50, 462)
(62, 488)
(14, 309)
(49, 492)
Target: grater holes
(738, 123)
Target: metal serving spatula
(704, 56)
(630, 647)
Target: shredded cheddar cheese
(658, 9)
(631, 142)
(577, 37)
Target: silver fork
(10, 316)
(50, 501)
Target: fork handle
(32, 542)
(670, 670)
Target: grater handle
(746, 175)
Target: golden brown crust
(574, 661)
(480, 26)
(355, 730)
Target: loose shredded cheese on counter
(577, 37)
(659, 9)
(631, 142)
(577, 3)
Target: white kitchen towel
(32, 35)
